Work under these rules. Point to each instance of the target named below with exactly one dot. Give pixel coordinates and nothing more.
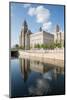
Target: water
(35, 78)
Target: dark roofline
(48, 33)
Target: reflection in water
(34, 78)
(24, 66)
(42, 87)
(39, 76)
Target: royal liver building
(29, 39)
(25, 36)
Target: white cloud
(47, 26)
(31, 11)
(42, 14)
(27, 5)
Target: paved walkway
(56, 58)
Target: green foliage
(52, 46)
(30, 47)
(48, 46)
(37, 46)
(59, 45)
(16, 46)
(42, 46)
(21, 47)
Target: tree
(37, 46)
(52, 46)
(42, 46)
(16, 46)
(21, 47)
(58, 45)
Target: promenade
(55, 57)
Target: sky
(36, 15)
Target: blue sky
(36, 15)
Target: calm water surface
(33, 78)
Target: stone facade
(36, 38)
(41, 37)
(59, 36)
(24, 40)
(29, 39)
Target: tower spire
(57, 28)
(40, 29)
(24, 26)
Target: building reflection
(43, 68)
(43, 75)
(25, 66)
(47, 70)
